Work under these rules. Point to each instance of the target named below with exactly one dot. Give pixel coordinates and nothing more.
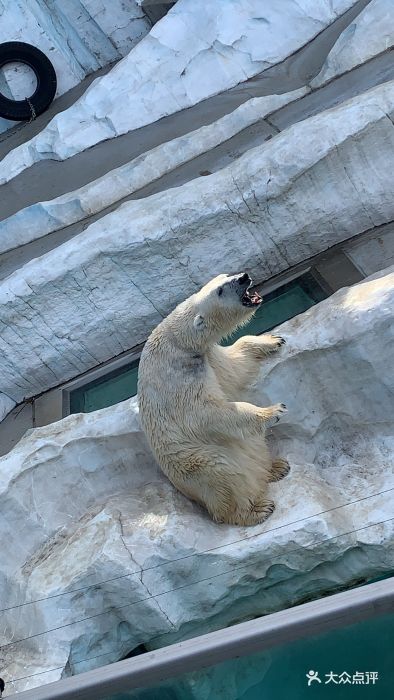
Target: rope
(98, 656)
(19, 126)
(32, 111)
(187, 585)
(138, 572)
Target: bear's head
(221, 306)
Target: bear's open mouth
(250, 298)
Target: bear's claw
(262, 509)
(279, 469)
(281, 409)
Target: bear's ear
(199, 322)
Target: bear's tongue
(251, 298)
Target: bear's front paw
(272, 343)
(278, 342)
(279, 410)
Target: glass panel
(289, 300)
(106, 391)
(347, 664)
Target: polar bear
(211, 445)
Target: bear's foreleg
(236, 367)
(239, 418)
(258, 345)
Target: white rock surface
(101, 293)
(88, 519)
(42, 218)
(371, 33)
(232, 41)
(78, 37)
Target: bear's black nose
(244, 279)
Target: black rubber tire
(19, 52)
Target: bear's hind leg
(279, 469)
(258, 511)
(213, 491)
(235, 512)
(232, 494)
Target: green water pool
(350, 663)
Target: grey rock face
(293, 197)
(370, 33)
(167, 72)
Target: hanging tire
(39, 101)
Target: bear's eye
(220, 291)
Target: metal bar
(246, 638)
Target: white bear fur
(210, 444)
